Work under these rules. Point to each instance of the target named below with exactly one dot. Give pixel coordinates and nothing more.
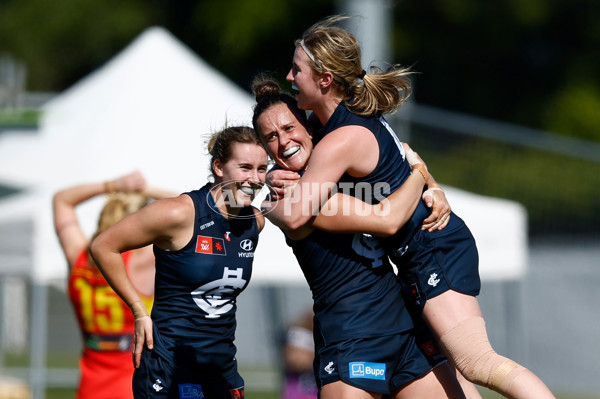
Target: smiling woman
(237, 180)
(363, 332)
(186, 348)
(437, 264)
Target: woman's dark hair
(268, 93)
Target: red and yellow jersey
(107, 326)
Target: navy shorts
(380, 364)
(433, 263)
(158, 378)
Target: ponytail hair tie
(362, 74)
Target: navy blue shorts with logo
(433, 263)
(156, 378)
(381, 364)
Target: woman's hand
(142, 336)
(440, 215)
(434, 196)
(129, 183)
(278, 179)
(143, 331)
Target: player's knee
(479, 368)
(496, 373)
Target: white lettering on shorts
(370, 371)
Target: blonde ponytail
(333, 49)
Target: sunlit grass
(69, 360)
(19, 117)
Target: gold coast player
(105, 322)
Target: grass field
(62, 359)
(69, 394)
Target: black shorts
(157, 378)
(433, 263)
(380, 364)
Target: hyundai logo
(246, 245)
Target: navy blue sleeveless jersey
(354, 296)
(392, 169)
(354, 289)
(196, 287)
(429, 263)
(391, 172)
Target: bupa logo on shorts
(370, 371)
(210, 245)
(190, 391)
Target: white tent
(150, 108)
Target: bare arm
(167, 223)
(347, 214)
(159, 193)
(341, 151)
(69, 232)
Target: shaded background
(533, 63)
(506, 104)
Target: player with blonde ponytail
(437, 268)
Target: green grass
(19, 117)
(69, 393)
(63, 359)
(64, 393)
(60, 393)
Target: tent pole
(2, 324)
(274, 297)
(39, 331)
(517, 339)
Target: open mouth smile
(291, 151)
(251, 189)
